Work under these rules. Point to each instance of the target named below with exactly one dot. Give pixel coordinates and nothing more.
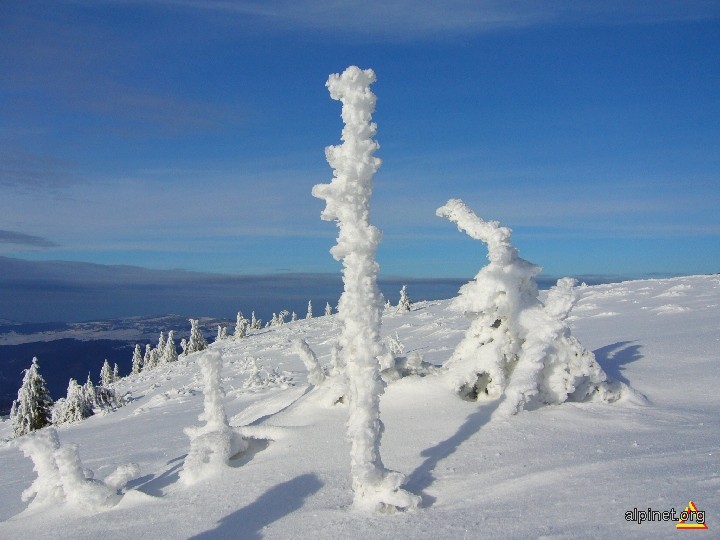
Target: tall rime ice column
(360, 306)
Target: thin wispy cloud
(411, 19)
(22, 239)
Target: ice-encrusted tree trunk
(211, 445)
(515, 347)
(347, 199)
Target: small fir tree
(170, 353)
(137, 360)
(404, 304)
(33, 408)
(107, 377)
(75, 407)
(116, 373)
(241, 325)
(309, 310)
(197, 341)
(328, 309)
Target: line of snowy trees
(34, 408)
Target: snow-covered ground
(564, 471)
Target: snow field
(564, 471)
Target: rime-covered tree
(255, 324)
(221, 333)
(137, 360)
(516, 347)
(33, 408)
(309, 310)
(241, 326)
(90, 392)
(75, 406)
(170, 353)
(160, 346)
(404, 304)
(347, 199)
(211, 445)
(107, 376)
(197, 341)
(328, 309)
(116, 373)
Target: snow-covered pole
(347, 199)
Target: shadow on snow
(279, 501)
(613, 358)
(422, 477)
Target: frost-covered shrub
(32, 409)
(211, 445)
(515, 347)
(347, 199)
(61, 477)
(260, 377)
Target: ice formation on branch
(515, 347)
(347, 199)
(211, 445)
(316, 376)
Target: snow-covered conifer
(221, 333)
(309, 310)
(404, 304)
(148, 361)
(170, 353)
(211, 445)
(137, 360)
(197, 341)
(160, 346)
(328, 309)
(347, 199)
(515, 347)
(241, 326)
(90, 392)
(255, 324)
(116, 373)
(33, 408)
(284, 314)
(106, 375)
(184, 346)
(75, 407)
(293, 316)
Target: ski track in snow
(567, 471)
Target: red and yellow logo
(691, 518)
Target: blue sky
(189, 133)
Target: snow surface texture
(516, 348)
(567, 471)
(360, 307)
(211, 445)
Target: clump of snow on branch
(515, 346)
(347, 199)
(211, 445)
